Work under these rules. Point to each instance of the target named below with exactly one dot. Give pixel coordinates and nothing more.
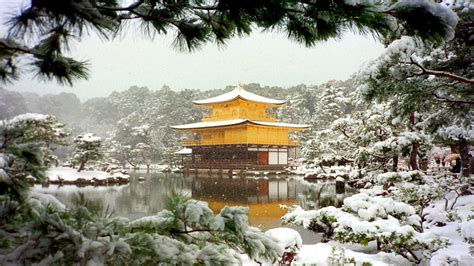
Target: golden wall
(239, 110)
(243, 134)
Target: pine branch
(191, 231)
(17, 48)
(127, 8)
(442, 99)
(425, 71)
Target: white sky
(265, 58)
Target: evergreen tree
(42, 30)
(347, 131)
(120, 153)
(87, 148)
(24, 150)
(428, 85)
(149, 148)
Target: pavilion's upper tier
(239, 93)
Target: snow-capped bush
(410, 176)
(364, 218)
(290, 240)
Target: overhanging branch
(425, 71)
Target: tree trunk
(359, 174)
(453, 148)
(414, 146)
(395, 163)
(81, 167)
(413, 154)
(133, 165)
(463, 148)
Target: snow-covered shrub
(364, 218)
(290, 239)
(420, 196)
(392, 177)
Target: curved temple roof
(234, 122)
(237, 93)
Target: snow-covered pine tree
(300, 105)
(87, 147)
(25, 142)
(433, 84)
(347, 131)
(119, 153)
(322, 145)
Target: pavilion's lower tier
(249, 157)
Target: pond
(262, 195)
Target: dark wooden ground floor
(239, 157)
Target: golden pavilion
(239, 132)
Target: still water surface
(263, 196)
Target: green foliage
(323, 223)
(43, 30)
(415, 15)
(25, 150)
(348, 131)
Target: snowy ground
(323, 253)
(455, 232)
(70, 174)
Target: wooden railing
(200, 142)
(231, 164)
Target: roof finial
(240, 86)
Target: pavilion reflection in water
(264, 197)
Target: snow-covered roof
(279, 124)
(239, 93)
(234, 122)
(211, 124)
